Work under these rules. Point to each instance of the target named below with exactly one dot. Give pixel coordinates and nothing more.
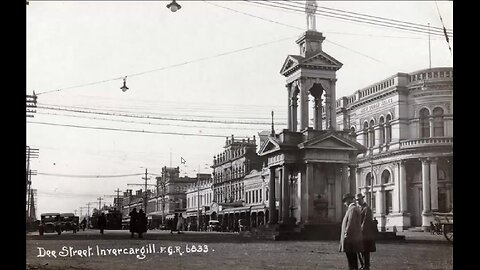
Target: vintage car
(50, 223)
(214, 226)
(69, 222)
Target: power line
(222, 116)
(148, 123)
(276, 22)
(168, 67)
(88, 176)
(398, 22)
(130, 130)
(346, 17)
(157, 117)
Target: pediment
(291, 61)
(332, 142)
(323, 59)
(269, 146)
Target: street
(199, 250)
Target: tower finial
(310, 10)
(273, 130)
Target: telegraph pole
(145, 202)
(88, 215)
(31, 153)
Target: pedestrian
(351, 234)
(174, 223)
(83, 224)
(141, 223)
(133, 221)
(369, 231)
(180, 223)
(102, 222)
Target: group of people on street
(359, 229)
(138, 222)
(178, 222)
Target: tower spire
(273, 130)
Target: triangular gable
(270, 145)
(332, 141)
(291, 61)
(322, 59)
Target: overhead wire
(329, 41)
(167, 67)
(345, 17)
(129, 130)
(88, 176)
(157, 117)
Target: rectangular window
(256, 195)
(260, 192)
(388, 202)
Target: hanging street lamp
(124, 87)
(173, 6)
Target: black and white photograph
(248, 134)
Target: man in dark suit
(351, 235)
(369, 230)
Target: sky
(195, 76)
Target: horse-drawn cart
(444, 224)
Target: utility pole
(145, 197)
(31, 153)
(31, 103)
(145, 201)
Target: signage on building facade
(376, 105)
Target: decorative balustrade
(425, 141)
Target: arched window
(388, 129)
(438, 122)
(365, 134)
(372, 133)
(424, 123)
(382, 130)
(386, 178)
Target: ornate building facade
(406, 122)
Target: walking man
(133, 221)
(102, 222)
(351, 235)
(369, 230)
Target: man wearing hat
(351, 235)
(369, 229)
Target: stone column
(309, 192)
(303, 106)
(358, 179)
(434, 184)
(353, 179)
(333, 102)
(345, 180)
(381, 208)
(285, 194)
(271, 197)
(378, 134)
(317, 113)
(430, 120)
(289, 104)
(426, 213)
(327, 110)
(403, 186)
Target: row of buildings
(392, 141)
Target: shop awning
(235, 210)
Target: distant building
(199, 200)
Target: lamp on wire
(173, 6)
(124, 87)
